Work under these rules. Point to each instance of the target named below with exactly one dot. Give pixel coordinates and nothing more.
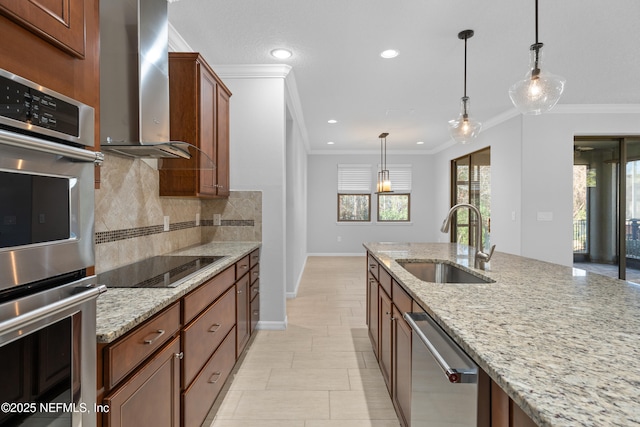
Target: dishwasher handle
(454, 375)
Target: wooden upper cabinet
(60, 22)
(199, 115)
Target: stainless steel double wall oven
(47, 300)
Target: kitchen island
(561, 342)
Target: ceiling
(340, 75)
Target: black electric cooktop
(163, 271)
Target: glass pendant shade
(540, 90)
(464, 129)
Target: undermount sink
(440, 272)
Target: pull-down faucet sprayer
(480, 257)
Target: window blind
(354, 179)
(400, 177)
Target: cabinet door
(385, 359)
(207, 156)
(60, 22)
(401, 372)
(242, 314)
(222, 142)
(151, 397)
(372, 312)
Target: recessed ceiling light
(332, 121)
(330, 143)
(420, 142)
(389, 53)
(281, 53)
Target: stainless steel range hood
(134, 80)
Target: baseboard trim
(265, 325)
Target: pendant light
(464, 129)
(384, 182)
(540, 90)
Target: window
(396, 206)
(354, 193)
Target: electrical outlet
(166, 223)
(217, 219)
(197, 219)
(339, 238)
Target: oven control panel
(38, 110)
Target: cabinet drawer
(205, 333)
(242, 267)
(254, 290)
(254, 258)
(372, 265)
(385, 280)
(255, 313)
(122, 357)
(151, 397)
(255, 273)
(206, 293)
(198, 398)
(401, 298)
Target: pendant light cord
(465, 66)
(536, 47)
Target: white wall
(257, 162)
(506, 164)
(532, 171)
(323, 228)
(547, 171)
(296, 211)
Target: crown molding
(253, 71)
(176, 42)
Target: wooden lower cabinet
(401, 371)
(243, 327)
(385, 358)
(151, 397)
(198, 398)
(372, 312)
(169, 370)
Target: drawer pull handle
(239, 291)
(179, 355)
(255, 273)
(256, 290)
(217, 376)
(244, 266)
(255, 313)
(372, 265)
(214, 327)
(159, 332)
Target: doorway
(606, 206)
(471, 183)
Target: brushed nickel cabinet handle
(217, 376)
(179, 355)
(159, 332)
(255, 313)
(244, 266)
(214, 327)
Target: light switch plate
(166, 223)
(197, 219)
(217, 219)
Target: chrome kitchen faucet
(480, 257)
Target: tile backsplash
(129, 216)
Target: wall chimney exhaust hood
(134, 80)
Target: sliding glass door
(606, 206)
(471, 183)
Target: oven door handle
(23, 320)
(37, 144)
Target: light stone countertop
(121, 309)
(564, 344)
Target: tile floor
(321, 371)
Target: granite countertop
(564, 344)
(121, 309)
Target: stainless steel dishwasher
(444, 380)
